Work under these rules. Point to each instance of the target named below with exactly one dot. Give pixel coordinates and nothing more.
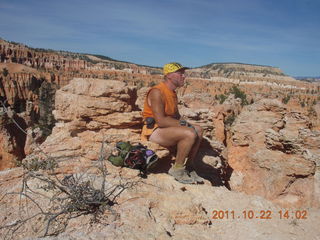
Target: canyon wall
(269, 153)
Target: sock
(178, 165)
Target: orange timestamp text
(259, 214)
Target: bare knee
(190, 134)
(199, 130)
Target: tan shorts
(146, 132)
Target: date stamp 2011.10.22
(259, 214)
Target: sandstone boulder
(273, 155)
(157, 207)
(88, 112)
(224, 115)
(11, 138)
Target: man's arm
(157, 107)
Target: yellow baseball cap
(172, 67)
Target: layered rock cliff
(12, 141)
(29, 78)
(274, 153)
(24, 64)
(270, 151)
(90, 112)
(63, 61)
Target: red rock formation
(157, 207)
(256, 81)
(12, 141)
(199, 97)
(273, 154)
(270, 156)
(87, 110)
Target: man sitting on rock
(164, 126)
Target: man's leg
(183, 137)
(192, 156)
(195, 147)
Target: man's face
(177, 78)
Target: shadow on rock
(209, 164)
(212, 166)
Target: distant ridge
(229, 68)
(102, 57)
(238, 63)
(83, 56)
(308, 79)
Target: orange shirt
(169, 98)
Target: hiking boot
(196, 177)
(193, 174)
(181, 175)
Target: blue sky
(280, 33)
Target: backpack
(118, 156)
(133, 156)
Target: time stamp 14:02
(259, 214)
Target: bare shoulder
(154, 96)
(155, 93)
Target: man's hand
(185, 123)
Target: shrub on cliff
(151, 84)
(46, 104)
(221, 98)
(5, 72)
(239, 94)
(286, 99)
(56, 199)
(229, 120)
